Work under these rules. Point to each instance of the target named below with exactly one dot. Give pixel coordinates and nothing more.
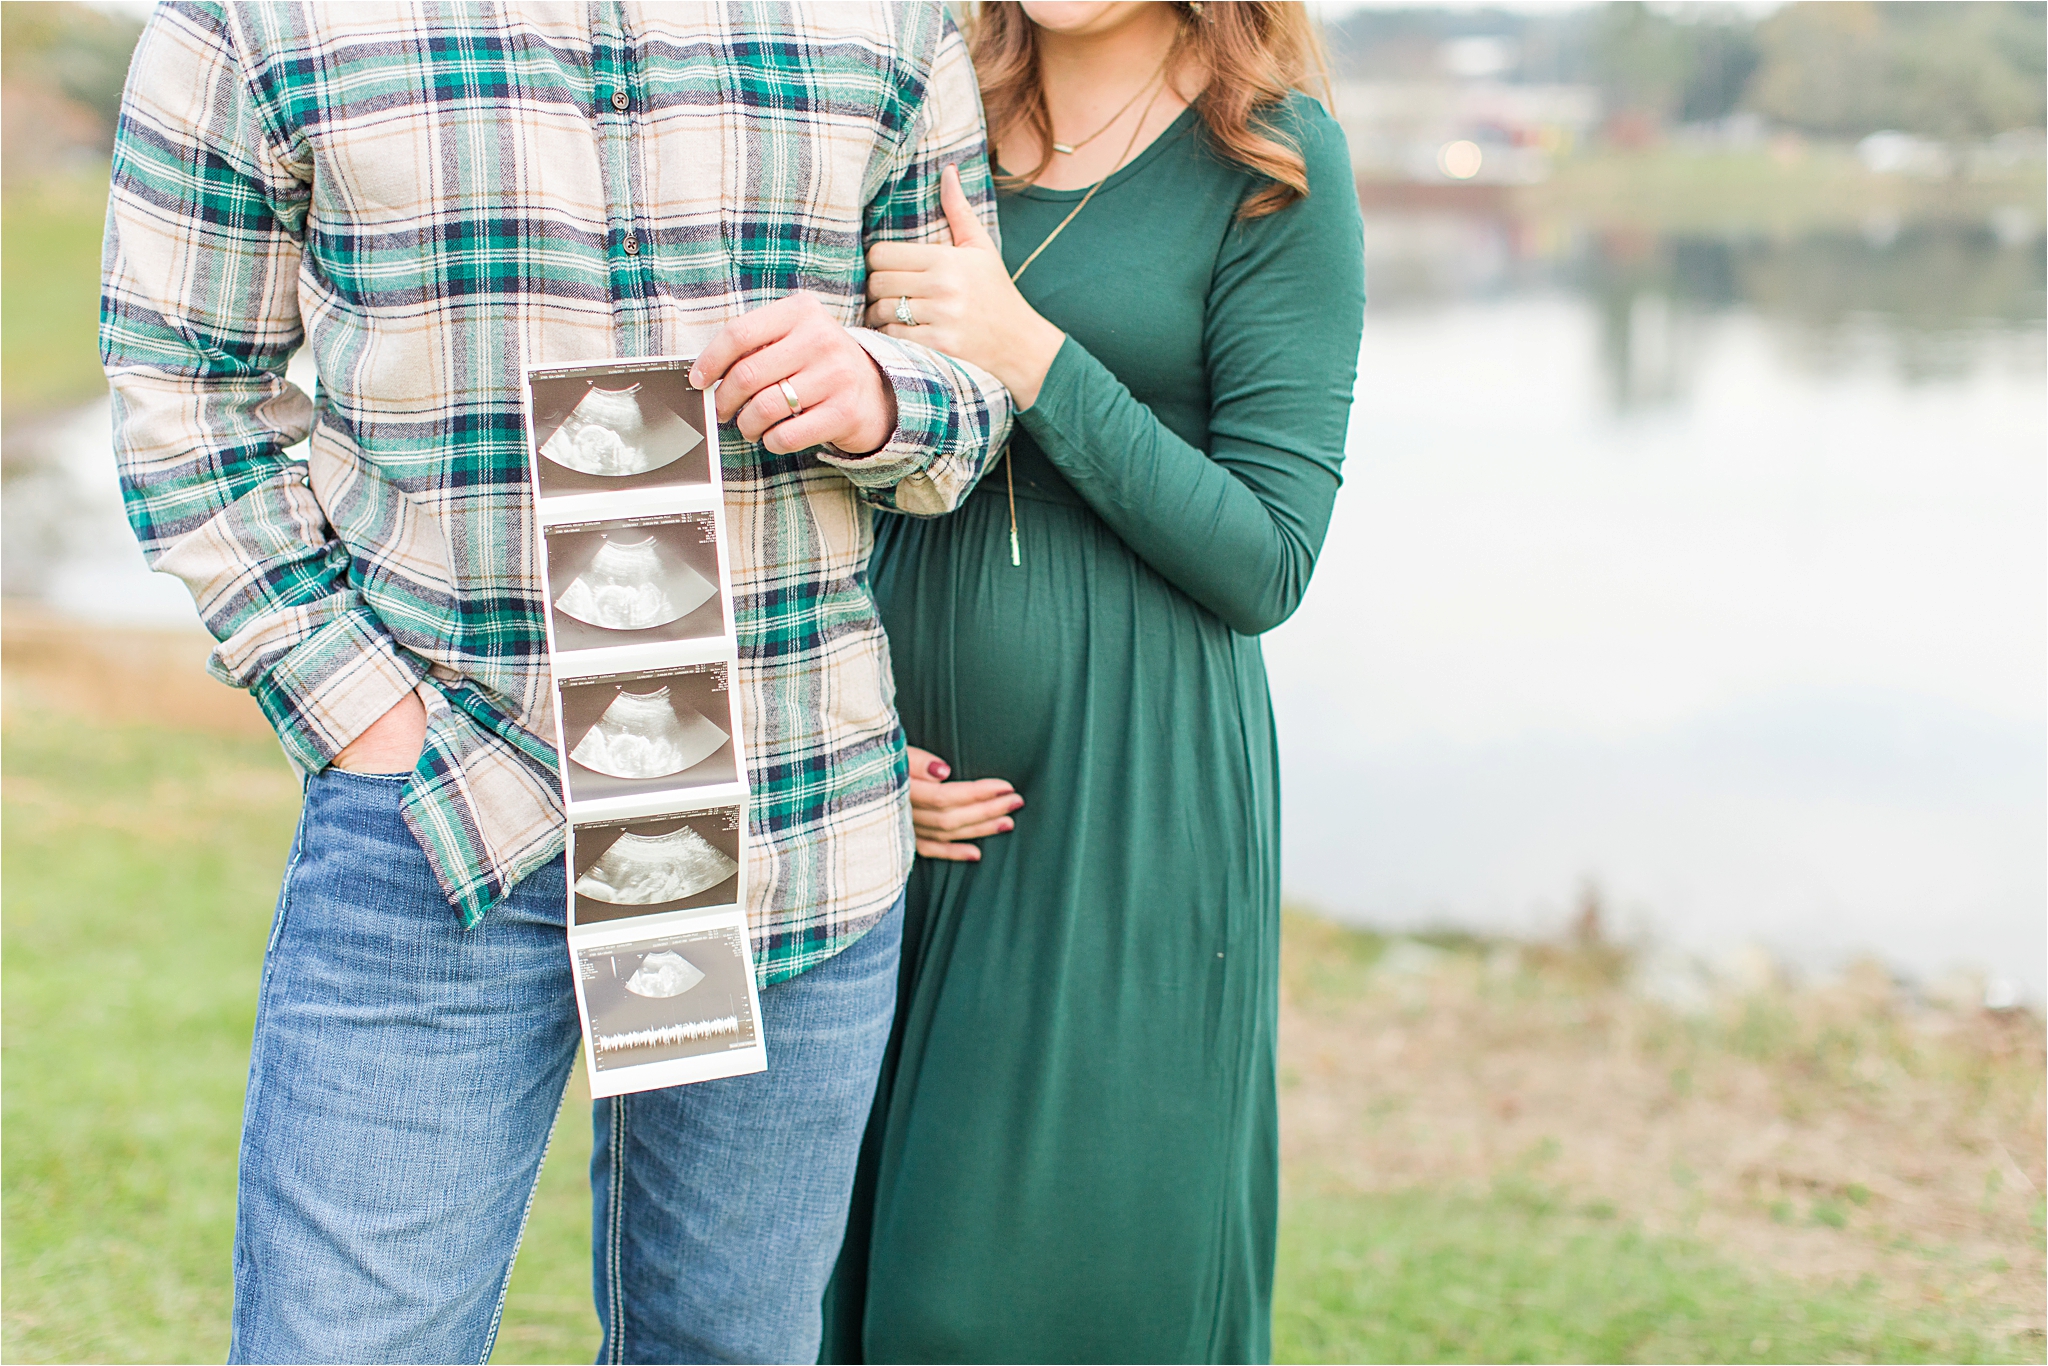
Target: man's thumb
(960, 220)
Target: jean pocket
(334, 771)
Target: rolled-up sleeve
(198, 316)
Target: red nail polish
(938, 770)
(1008, 825)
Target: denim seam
(617, 1335)
(284, 896)
(526, 1213)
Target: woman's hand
(945, 815)
(963, 300)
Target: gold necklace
(1069, 148)
(1009, 465)
(1129, 147)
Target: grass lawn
(50, 233)
(141, 865)
(1518, 1274)
(1816, 188)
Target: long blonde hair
(1255, 51)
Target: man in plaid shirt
(431, 201)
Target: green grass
(129, 985)
(548, 1314)
(50, 235)
(1517, 1276)
(141, 867)
(1821, 187)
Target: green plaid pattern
(434, 198)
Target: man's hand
(944, 816)
(846, 401)
(393, 742)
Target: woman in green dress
(1073, 1152)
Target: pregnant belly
(1082, 664)
(1004, 670)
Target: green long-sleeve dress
(1073, 1153)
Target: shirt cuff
(926, 421)
(334, 684)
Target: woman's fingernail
(1017, 804)
(938, 770)
(1007, 825)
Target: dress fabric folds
(1073, 1154)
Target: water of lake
(1709, 573)
(1705, 572)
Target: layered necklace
(1155, 84)
(1069, 148)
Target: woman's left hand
(963, 300)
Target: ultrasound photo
(608, 429)
(648, 732)
(673, 996)
(635, 581)
(676, 863)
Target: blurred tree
(62, 67)
(1721, 56)
(1407, 44)
(1640, 60)
(1841, 68)
(1684, 64)
(1851, 67)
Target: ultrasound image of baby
(643, 870)
(644, 735)
(663, 974)
(633, 585)
(612, 433)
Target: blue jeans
(404, 1080)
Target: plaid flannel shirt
(434, 198)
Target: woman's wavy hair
(1255, 52)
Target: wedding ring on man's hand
(903, 313)
(796, 405)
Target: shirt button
(632, 246)
(620, 99)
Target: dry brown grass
(1835, 1132)
(1843, 1132)
(120, 675)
